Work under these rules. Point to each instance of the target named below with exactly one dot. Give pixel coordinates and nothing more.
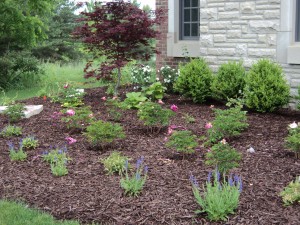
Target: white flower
(293, 125)
(251, 150)
(169, 76)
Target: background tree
(115, 30)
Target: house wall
(235, 30)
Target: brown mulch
(89, 195)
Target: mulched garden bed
(88, 194)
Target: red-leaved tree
(117, 30)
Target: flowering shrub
(101, 132)
(223, 156)
(218, 198)
(292, 141)
(169, 76)
(29, 142)
(115, 163)
(134, 185)
(142, 75)
(183, 141)
(291, 193)
(154, 115)
(9, 131)
(16, 155)
(14, 112)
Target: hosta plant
(29, 142)
(133, 100)
(218, 198)
(155, 91)
(115, 163)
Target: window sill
(182, 48)
(293, 54)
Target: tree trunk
(118, 82)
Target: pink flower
(165, 139)
(114, 98)
(223, 141)
(103, 98)
(70, 112)
(170, 130)
(160, 102)
(173, 127)
(208, 125)
(211, 106)
(91, 115)
(174, 108)
(71, 140)
(66, 85)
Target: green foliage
(113, 107)
(298, 97)
(183, 141)
(169, 76)
(154, 115)
(83, 116)
(223, 156)
(229, 81)
(14, 112)
(227, 123)
(133, 100)
(218, 199)
(195, 80)
(292, 141)
(291, 193)
(155, 91)
(16, 155)
(10, 131)
(142, 75)
(6, 100)
(69, 97)
(19, 70)
(188, 118)
(59, 168)
(115, 163)
(29, 142)
(134, 185)
(101, 132)
(266, 88)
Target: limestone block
(232, 6)
(203, 29)
(247, 7)
(219, 38)
(30, 110)
(209, 13)
(259, 53)
(234, 33)
(262, 38)
(221, 51)
(241, 49)
(264, 26)
(206, 40)
(271, 40)
(229, 15)
(219, 25)
(272, 14)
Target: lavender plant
(16, 155)
(219, 199)
(134, 185)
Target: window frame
(182, 22)
(297, 21)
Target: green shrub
(183, 141)
(223, 156)
(229, 81)
(115, 163)
(219, 199)
(19, 70)
(195, 80)
(266, 89)
(14, 112)
(291, 193)
(10, 131)
(101, 132)
(154, 115)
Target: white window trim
(176, 47)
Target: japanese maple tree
(117, 30)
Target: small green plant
(291, 193)
(153, 115)
(82, 117)
(113, 109)
(183, 141)
(10, 131)
(266, 88)
(16, 155)
(29, 142)
(133, 100)
(219, 199)
(227, 123)
(223, 156)
(169, 76)
(115, 163)
(188, 118)
(155, 91)
(195, 80)
(69, 97)
(5, 100)
(229, 81)
(134, 185)
(14, 112)
(58, 159)
(292, 141)
(101, 132)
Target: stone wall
(235, 30)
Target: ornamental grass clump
(266, 89)
(133, 185)
(183, 141)
(102, 133)
(16, 155)
(292, 141)
(291, 193)
(219, 199)
(153, 115)
(115, 163)
(223, 156)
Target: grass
(13, 213)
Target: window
(297, 21)
(189, 20)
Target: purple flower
(209, 177)
(45, 153)
(230, 181)
(137, 176)
(10, 145)
(241, 185)
(59, 151)
(174, 108)
(218, 175)
(194, 181)
(139, 162)
(146, 169)
(126, 164)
